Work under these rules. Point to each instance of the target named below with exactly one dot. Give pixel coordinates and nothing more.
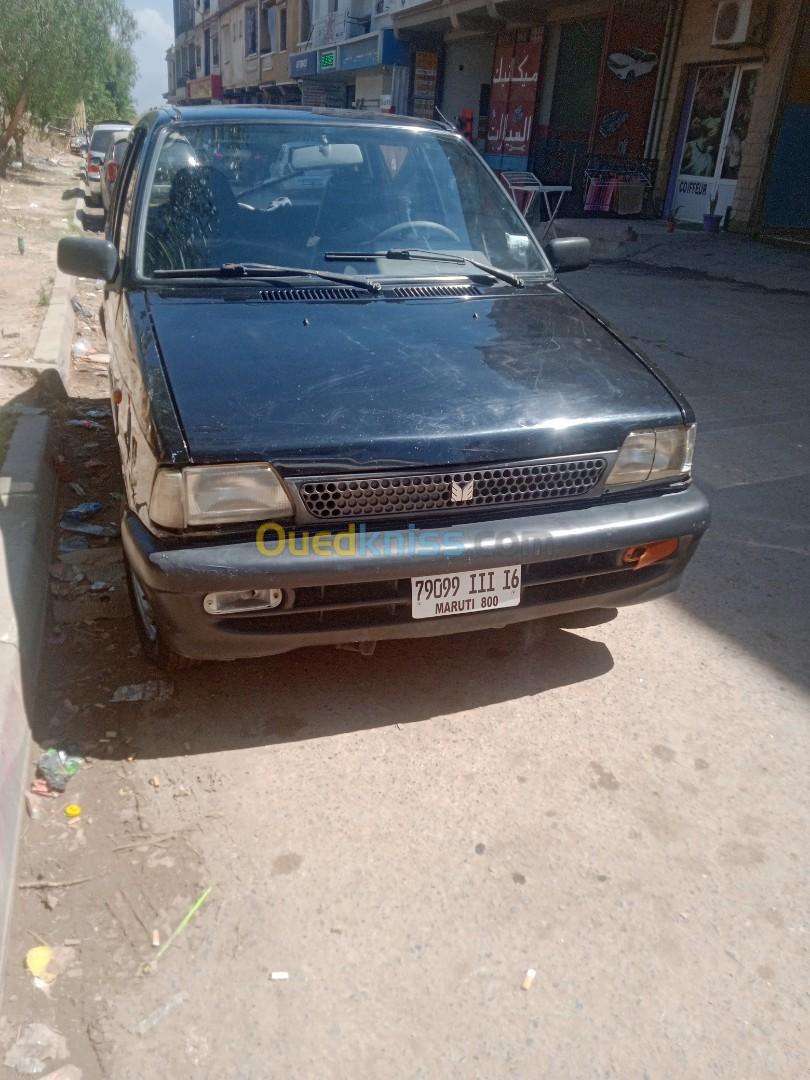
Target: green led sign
(328, 59)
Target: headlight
(647, 457)
(217, 494)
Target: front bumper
(570, 562)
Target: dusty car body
(351, 440)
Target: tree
(53, 52)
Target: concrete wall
(695, 48)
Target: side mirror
(87, 256)
(569, 253)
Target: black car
(353, 401)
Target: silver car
(101, 138)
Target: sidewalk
(724, 257)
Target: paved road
(623, 808)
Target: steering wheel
(416, 227)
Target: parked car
(79, 143)
(111, 166)
(100, 139)
(368, 408)
(631, 64)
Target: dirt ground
(36, 207)
(623, 808)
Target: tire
(152, 642)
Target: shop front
(568, 91)
(711, 139)
(365, 72)
(729, 102)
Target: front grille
(375, 496)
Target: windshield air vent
(418, 292)
(314, 293)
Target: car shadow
(72, 193)
(308, 694)
(90, 222)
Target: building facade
(638, 106)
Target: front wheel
(150, 635)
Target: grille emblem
(461, 493)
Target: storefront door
(712, 138)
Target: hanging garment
(630, 197)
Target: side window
(119, 230)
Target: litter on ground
(152, 690)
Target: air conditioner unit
(737, 23)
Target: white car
(629, 65)
(103, 135)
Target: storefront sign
(362, 53)
(394, 51)
(209, 86)
(515, 72)
(627, 88)
(425, 75)
(303, 64)
(327, 60)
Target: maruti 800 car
(354, 402)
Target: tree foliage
(54, 52)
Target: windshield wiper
(265, 270)
(425, 255)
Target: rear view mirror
(569, 253)
(325, 156)
(87, 256)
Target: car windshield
(300, 194)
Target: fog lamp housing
(244, 600)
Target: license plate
(465, 592)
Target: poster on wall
(627, 88)
(425, 76)
(515, 73)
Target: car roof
(112, 125)
(228, 114)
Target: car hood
(319, 386)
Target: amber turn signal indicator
(647, 554)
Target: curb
(52, 349)
(28, 490)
